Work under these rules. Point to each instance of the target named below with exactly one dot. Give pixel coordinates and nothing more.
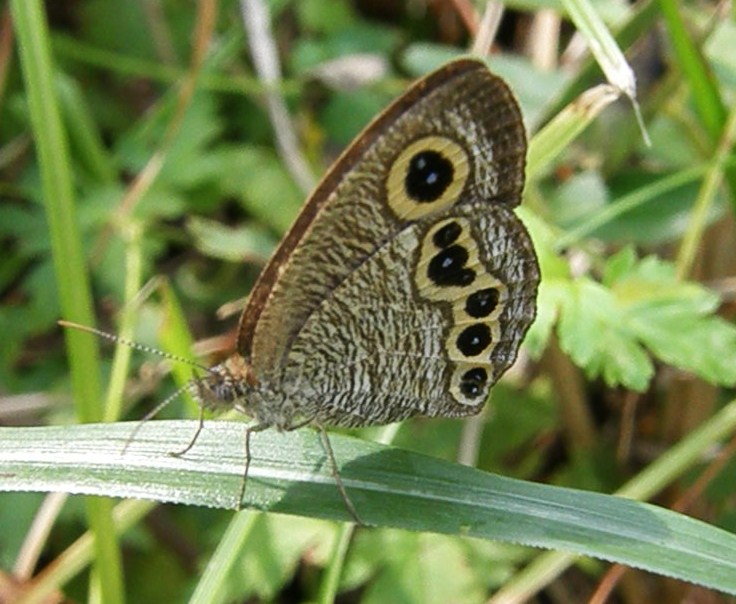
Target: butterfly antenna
(134, 345)
(149, 349)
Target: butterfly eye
(428, 176)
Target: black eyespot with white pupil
(447, 267)
(428, 176)
(474, 339)
(482, 303)
(473, 381)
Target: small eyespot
(482, 303)
(473, 382)
(474, 339)
(447, 267)
(446, 235)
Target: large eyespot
(427, 177)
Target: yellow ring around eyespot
(406, 208)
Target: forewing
(462, 114)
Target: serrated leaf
(673, 319)
(587, 311)
(593, 333)
(704, 345)
(653, 281)
(605, 329)
(619, 265)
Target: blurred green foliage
(629, 325)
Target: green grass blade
(121, 359)
(544, 569)
(84, 132)
(706, 198)
(210, 588)
(696, 70)
(56, 176)
(703, 85)
(69, 263)
(547, 144)
(331, 581)
(390, 487)
(629, 202)
(602, 45)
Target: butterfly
(406, 284)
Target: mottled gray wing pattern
(381, 347)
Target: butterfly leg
(336, 474)
(248, 431)
(194, 438)
(198, 383)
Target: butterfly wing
(408, 333)
(455, 136)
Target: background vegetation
(144, 157)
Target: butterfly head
(226, 386)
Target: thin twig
(265, 59)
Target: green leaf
(619, 265)
(593, 333)
(424, 568)
(325, 16)
(673, 319)
(553, 286)
(549, 299)
(653, 281)
(390, 487)
(236, 244)
(582, 195)
(281, 542)
(308, 52)
(347, 113)
(258, 179)
(606, 327)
